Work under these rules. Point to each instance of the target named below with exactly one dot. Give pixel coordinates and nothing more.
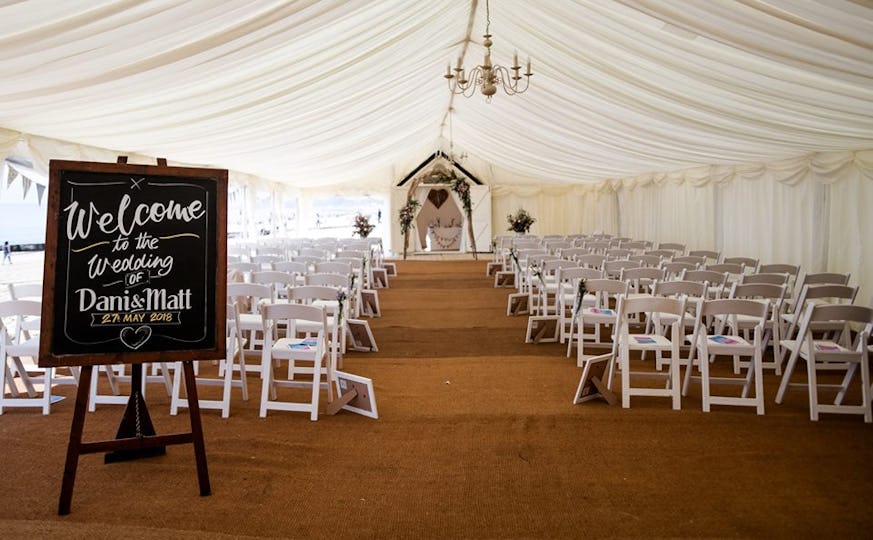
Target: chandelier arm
(510, 85)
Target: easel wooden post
(136, 445)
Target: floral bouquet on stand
(362, 226)
(462, 188)
(407, 216)
(521, 221)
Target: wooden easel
(136, 436)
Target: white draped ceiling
(349, 93)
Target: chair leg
(47, 391)
(176, 390)
(267, 389)
(316, 387)
(813, 390)
(786, 377)
(758, 359)
(865, 393)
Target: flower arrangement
(362, 226)
(462, 188)
(521, 221)
(407, 216)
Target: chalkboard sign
(135, 264)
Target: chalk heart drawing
(135, 338)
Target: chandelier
(488, 76)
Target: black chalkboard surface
(135, 264)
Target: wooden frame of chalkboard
(135, 264)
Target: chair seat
(649, 342)
(727, 345)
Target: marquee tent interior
(743, 126)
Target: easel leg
(196, 429)
(75, 443)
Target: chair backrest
(578, 272)
(734, 306)
(572, 253)
(674, 270)
(749, 264)
(598, 246)
(614, 268)
(773, 293)
(265, 262)
(652, 261)
(709, 254)
(607, 286)
(792, 270)
(666, 254)
(636, 245)
(306, 294)
(618, 253)
(25, 291)
(843, 294)
(822, 278)
(730, 268)
(551, 267)
(691, 259)
(641, 277)
(292, 267)
(693, 289)
(715, 279)
(676, 248)
(244, 267)
(592, 260)
(332, 267)
(635, 305)
(277, 315)
(772, 279)
(17, 311)
(278, 281)
(329, 280)
(248, 296)
(831, 314)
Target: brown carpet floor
(477, 438)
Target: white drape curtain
(815, 211)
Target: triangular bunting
(13, 174)
(40, 190)
(27, 183)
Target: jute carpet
(477, 438)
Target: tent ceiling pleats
(332, 93)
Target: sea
(22, 223)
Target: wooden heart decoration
(438, 197)
(134, 339)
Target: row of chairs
(844, 351)
(268, 325)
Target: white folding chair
(233, 362)
(19, 354)
(651, 306)
(710, 346)
(845, 354)
(311, 348)
(594, 309)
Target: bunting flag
(27, 183)
(40, 190)
(13, 174)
